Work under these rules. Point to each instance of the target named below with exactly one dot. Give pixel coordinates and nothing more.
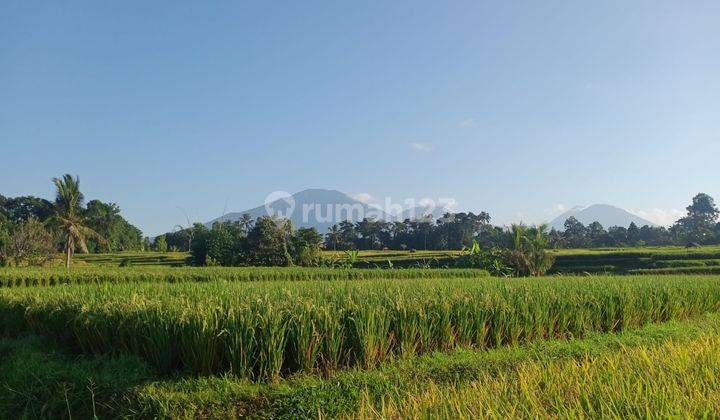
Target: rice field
(25, 277)
(641, 260)
(213, 342)
(266, 331)
(670, 380)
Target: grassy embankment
(649, 260)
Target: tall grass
(664, 381)
(263, 331)
(23, 277)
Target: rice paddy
(360, 343)
(264, 331)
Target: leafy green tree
(224, 243)
(5, 226)
(69, 218)
(529, 255)
(633, 234)
(30, 244)
(19, 209)
(348, 234)
(596, 234)
(306, 247)
(105, 219)
(576, 234)
(699, 224)
(199, 244)
(267, 243)
(179, 239)
(161, 244)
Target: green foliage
(105, 219)
(646, 261)
(65, 385)
(493, 260)
(529, 255)
(223, 247)
(700, 224)
(40, 381)
(161, 244)
(306, 249)
(671, 380)
(5, 226)
(18, 210)
(30, 244)
(69, 219)
(137, 273)
(199, 244)
(267, 243)
(262, 331)
(351, 257)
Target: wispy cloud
(363, 197)
(467, 123)
(556, 210)
(659, 216)
(420, 147)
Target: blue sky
(517, 108)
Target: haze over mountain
(318, 208)
(606, 214)
(321, 208)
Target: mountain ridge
(606, 214)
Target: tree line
(33, 230)
(454, 232)
(263, 242)
(269, 241)
(698, 227)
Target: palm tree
(334, 236)
(69, 218)
(529, 256)
(246, 223)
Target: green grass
(568, 261)
(23, 277)
(40, 380)
(654, 260)
(264, 331)
(137, 258)
(669, 380)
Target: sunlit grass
(267, 330)
(661, 381)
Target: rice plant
(671, 380)
(14, 277)
(267, 330)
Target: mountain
(318, 208)
(605, 214)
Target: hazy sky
(517, 108)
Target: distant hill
(318, 208)
(605, 214)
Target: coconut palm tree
(334, 236)
(69, 218)
(529, 256)
(246, 223)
